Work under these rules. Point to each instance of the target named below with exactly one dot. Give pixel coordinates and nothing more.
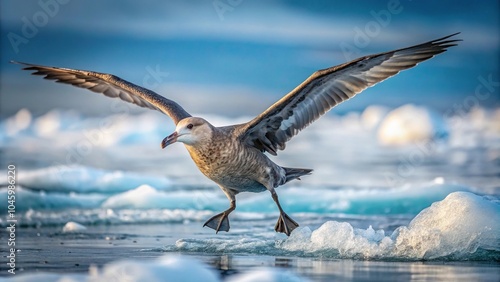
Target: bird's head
(189, 131)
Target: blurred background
(228, 60)
(378, 159)
(237, 57)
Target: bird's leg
(285, 224)
(220, 221)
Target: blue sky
(238, 57)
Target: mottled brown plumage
(233, 156)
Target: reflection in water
(356, 270)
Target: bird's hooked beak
(172, 138)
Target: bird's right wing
(327, 88)
(111, 86)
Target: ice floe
(87, 179)
(73, 227)
(463, 226)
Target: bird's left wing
(111, 86)
(327, 88)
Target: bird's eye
(189, 126)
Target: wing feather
(327, 88)
(111, 86)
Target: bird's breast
(233, 165)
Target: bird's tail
(296, 173)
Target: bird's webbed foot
(285, 224)
(218, 222)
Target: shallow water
(48, 250)
(427, 210)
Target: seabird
(234, 156)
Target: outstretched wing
(327, 88)
(111, 86)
